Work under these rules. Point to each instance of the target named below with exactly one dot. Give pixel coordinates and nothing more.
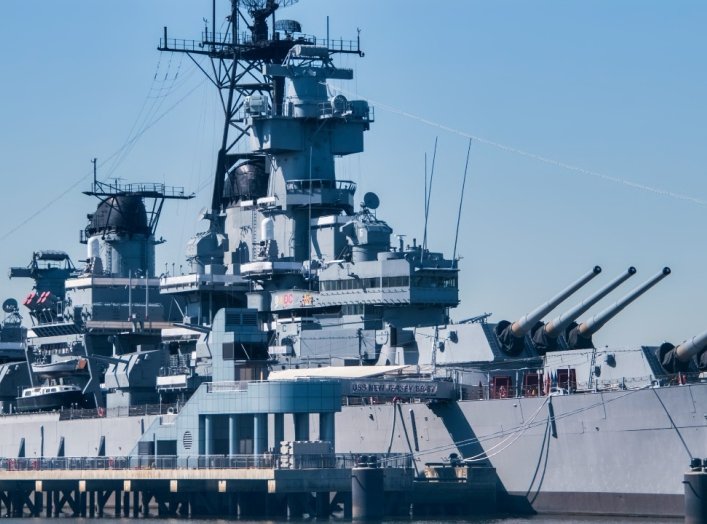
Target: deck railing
(264, 461)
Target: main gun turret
(545, 336)
(580, 337)
(510, 335)
(677, 359)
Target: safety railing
(141, 188)
(126, 411)
(561, 388)
(208, 462)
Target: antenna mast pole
(428, 195)
(461, 200)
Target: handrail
(210, 462)
(72, 413)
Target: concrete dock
(123, 487)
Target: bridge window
(402, 281)
(352, 309)
(435, 281)
(349, 283)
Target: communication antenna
(371, 201)
(10, 305)
(461, 200)
(428, 193)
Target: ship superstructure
(93, 327)
(318, 265)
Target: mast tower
(238, 58)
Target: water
(536, 519)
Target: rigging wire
(158, 99)
(88, 174)
(455, 445)
(540, 158)
(672, 423)
(140, 113)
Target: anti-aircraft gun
(580, 336)
(545, 337)
(511, 335)
(677, 359)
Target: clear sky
(614, 90)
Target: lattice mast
(237, 59)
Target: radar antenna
(260, 10)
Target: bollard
(695, 482)
(367, 500)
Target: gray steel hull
(43, 432)
(621, 452)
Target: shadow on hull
(461, 432)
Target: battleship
(301, 318)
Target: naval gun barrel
(510, 335)
(677, 359)
(521, 326)
(692, 347)
(581, 336)
(558, 324)
(545, 337)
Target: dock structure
(232, 486)
(225, 453)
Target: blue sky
(615, 88)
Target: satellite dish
(10, 305)
(371, 201)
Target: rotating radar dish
(288, 26)
(10, 305)
(371, 201)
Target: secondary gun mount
(580, 337)
(510, 335)
(545, 336)
(677, 359)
